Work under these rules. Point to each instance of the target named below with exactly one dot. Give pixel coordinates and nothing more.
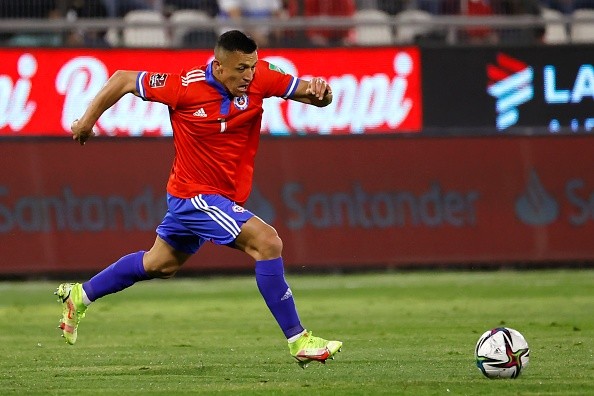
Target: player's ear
(216, 65)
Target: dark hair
(234, 40)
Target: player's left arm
(316, 92)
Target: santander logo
(536, 206)
(510, 83)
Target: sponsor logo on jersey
(200, 113)
(157, 80)
(241, 102)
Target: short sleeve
(164, 88)
(275, 82)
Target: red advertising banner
(350, 202)
(43, 90)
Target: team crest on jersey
(241, 102)
(157, 80)
(238, 209)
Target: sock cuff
(294, 333)
(139, 267)
(270, 267)
(87, 290)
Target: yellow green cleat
(308, 348)
(73, 309)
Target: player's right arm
(119, 84)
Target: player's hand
(318, 87)
(80, 133)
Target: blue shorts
(189, 222)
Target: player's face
(235, 70)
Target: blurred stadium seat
(555, 31)
(582, 32)
(409, 32)
(185, 35)
(406, 22)
(376, 34)
(145, 36)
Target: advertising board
(336, 203)
(515, 90)
(43, 90)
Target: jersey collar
(213, 82)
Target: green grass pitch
(409, 333)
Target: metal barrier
(365, 27)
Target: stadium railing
(446, 30)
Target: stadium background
(452, 142)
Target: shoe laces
(314, 342)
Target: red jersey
(215, 135)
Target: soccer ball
(502, 353)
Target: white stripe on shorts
(221, 218)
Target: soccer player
(216, 113)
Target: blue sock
(118, 276)
(278, 296)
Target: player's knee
(163, 270)
(162, 261)
(271, 246)
(158, 267)
(260, 241)
(167, 273)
